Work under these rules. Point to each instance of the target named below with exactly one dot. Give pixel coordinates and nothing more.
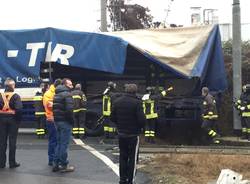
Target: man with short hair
(10, 117)
(129, 117)
(64, 119)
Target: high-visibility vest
(106, 105)
(38, 104)
(149, 109)
(6, 109)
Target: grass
(195, 168)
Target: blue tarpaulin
(21, 53)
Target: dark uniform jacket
(244, 102)
(79, 99)
(15, 104)
(63, 105)
(209, 108)
(128, 115)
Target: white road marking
(96, 153)
(12, 53)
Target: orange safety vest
(6, 100)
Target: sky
(84, 15)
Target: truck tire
(92, 127)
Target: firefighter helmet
(246, 88)
(112, 85)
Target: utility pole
(103, 15)
(237, 82)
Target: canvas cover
(185, 52)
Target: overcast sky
(84, 15)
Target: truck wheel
(92, 127)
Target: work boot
(152, 140)
(83, 136)
(243, 136)
(216, 141)
(56, 168)
(15, 165)
(67, 169)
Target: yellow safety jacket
(106, 105)
(38, 104)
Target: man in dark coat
(128, 115)
(10, 117)
(63, 115)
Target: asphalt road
(32, 154)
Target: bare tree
(125, 17)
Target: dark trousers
(150, 127)
(41, 121)
(52, 140)
(128, 156)
(209, 127)
(63, 137)
(8, 131)
(79, 124)
(245, 123)
(109, 127)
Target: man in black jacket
(10, 117)
(63, 116)
(128, 115)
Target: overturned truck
(185, 58)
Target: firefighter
(209, 115)
(40, 112)
(10, 117)
(243, 105)
(150, 110)
(80, 100)
(107, 99)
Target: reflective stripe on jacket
(106, 105)
(149, 109)
(79, 99)
(209, 108)
(38, 104)
(6, 109)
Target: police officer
(108, 97)
(150, 110)
(128, 115)
(209, 115)
(80, 100)
(243, 105)
(10, 117)
(40, 112)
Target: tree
(125, 17)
